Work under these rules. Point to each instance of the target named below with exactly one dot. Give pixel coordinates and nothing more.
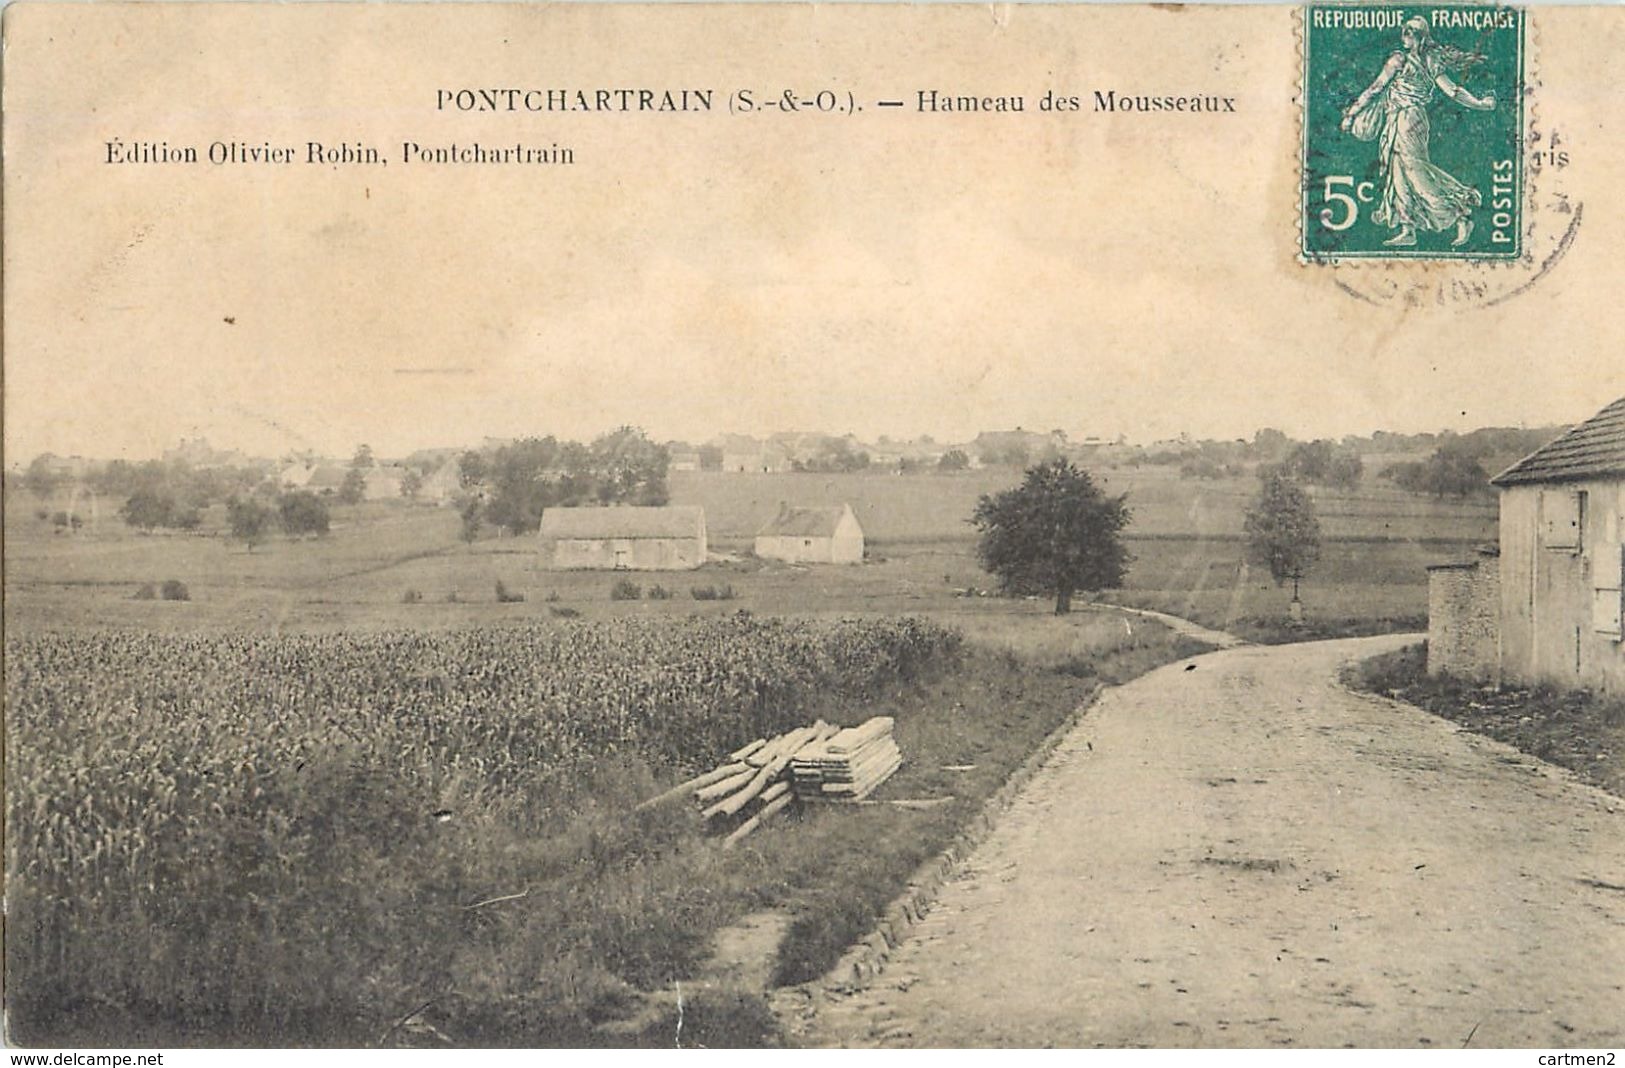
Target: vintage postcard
(810, 525)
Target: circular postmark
(1553, 216)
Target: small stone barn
(1548, 606)
(626, 538)
(1562, 567)
(812, 536)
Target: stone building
(1558, 583)
(1562, 567)
(622, 539)
(812, 536)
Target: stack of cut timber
(849, 765)
(751, 785)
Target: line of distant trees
(833, 455)
(1454, 470)
(298, 514)
(508, 487)
(1320, 463)
(188, 489)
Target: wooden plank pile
(848, 765)
(819, 762)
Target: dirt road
(1244, 854)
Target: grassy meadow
(1185, 535)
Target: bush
(659, 593)
(41, 514)
(147, 592)
(625, 590)
(175, 590)
(564, 612)
(507, 596)
(248, 520)
(412, 597)
(724, 592)
(552, 597)
(451, 597)
(302, 512)
(147, 509)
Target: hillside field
(935, 507)
(1184, 536)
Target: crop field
(179, 806)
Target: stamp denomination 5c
(1412, 132)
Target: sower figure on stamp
(1393, 111)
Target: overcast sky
(881, 273)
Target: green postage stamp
(1412, 132)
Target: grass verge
(1266, 630)
(1575, 729)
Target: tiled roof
(623, 522)
(1594, 449)
(803, 522)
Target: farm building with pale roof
(1558, 583)
(624, 538)
(812, 536)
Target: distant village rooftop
(1594, 449)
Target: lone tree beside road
(1055, 534)
(1282, 531)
